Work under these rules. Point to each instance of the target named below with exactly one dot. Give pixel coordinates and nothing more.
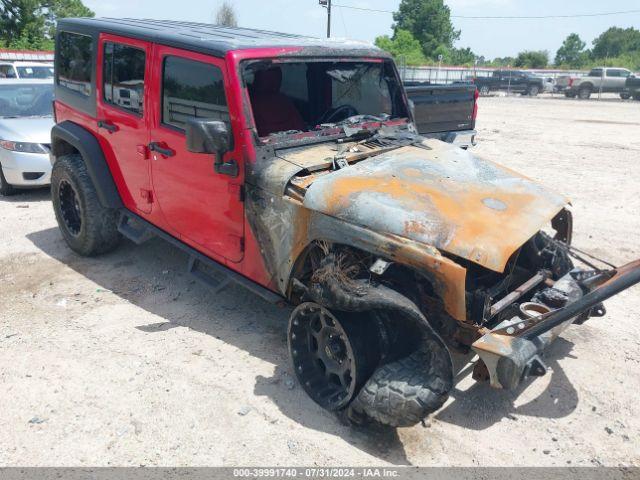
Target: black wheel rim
(323, 356)
(70, 208)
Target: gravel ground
(124, 360)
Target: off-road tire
(403, 393)
(5, 189)
(584, 93)
(98, 231)
(533, 90)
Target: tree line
(423, 33)
(30, 24)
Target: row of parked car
(26, 119)
(601, 79)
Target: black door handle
(108, 126)
(161, 148)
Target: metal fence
(25, 55)
(445, 75)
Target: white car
(26, 70)
(26, 119)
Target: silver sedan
(26, 119)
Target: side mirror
(213, 137)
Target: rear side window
(596, 72)
(123, 76)
(7, 71)
(192, 89)
(74, 62)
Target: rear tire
(625, 96)
(584, 93)
(533, 91)
(5, 189)
(88, 228)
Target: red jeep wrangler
(291, 166)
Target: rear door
(203, 207)
(616, 79)
(123, 119)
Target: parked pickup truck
(445, 112)
(632, 86)
(291, 166)
(607, 80)
(517, 81)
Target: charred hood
(441, 196)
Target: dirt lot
(124, 360)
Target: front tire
(5, 188)
(533, 91)
(88, 228)
(625, 96)
(394, 375)
(403, 393)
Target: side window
(613, 73)
(123, 76)
(596, 72)
(192, 89)
(7, 71)
(74, 62)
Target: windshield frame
(329, 132)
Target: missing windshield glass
(296, 97)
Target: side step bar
(138, 234)
(208, 271)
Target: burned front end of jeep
(398, 250)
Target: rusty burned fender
(285, 229)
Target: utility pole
(327, 5)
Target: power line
(500, 17)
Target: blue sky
(486, 37)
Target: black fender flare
(87, 144)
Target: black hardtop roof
(215, 39)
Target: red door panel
(204, 207)
(122, 114)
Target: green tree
(30, 24)
(429, 21)
(532, 59)
(502, 62)
(571, 53)
(226, 15)
(403, 44)
(461, 56)
(615, 42)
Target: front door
(123, 114)
(202, 207)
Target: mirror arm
(229, 168)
